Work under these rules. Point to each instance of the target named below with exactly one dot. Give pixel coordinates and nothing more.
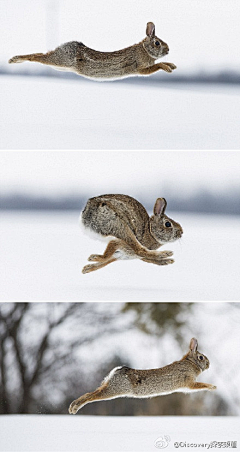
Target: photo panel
(135, 366)
(190, 102)
(119, 225)
(167, 221)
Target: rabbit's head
(196, 357)
(154, 46)
(162, 227)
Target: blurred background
(195, 107)
(51, 353)
(43, 249)
(200, 182)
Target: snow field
(45, 113)
(42, 255)
(96, 433)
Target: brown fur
(136, 234)
(180, 376)
(138, 59)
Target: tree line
(201, 202)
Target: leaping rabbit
(131, 233)
(180, 376)
(138, 59)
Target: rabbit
(180, 376)
(131, 233)
(138, 59)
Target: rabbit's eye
(157, 43)
(201, 357)
(168, 224)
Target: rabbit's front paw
(212, 387)
(165, 262)
(168, 67)
(172, 66)
(164, 254)
(158, 261)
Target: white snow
(144, 175)
(43, 113)
(42, 255)
(30, 433)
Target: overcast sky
(202, 35)
(95, 172)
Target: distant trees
(157, 318)
(203, 201)
(39, 344)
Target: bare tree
(34, 356)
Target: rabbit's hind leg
(100, 393)
(111, 248)
(53, 58)
(38, 57)
(102, 259)
(198, 386)
(48, 58)
(116, 250)
(92, 267)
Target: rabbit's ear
(193, 345)
(160, 206)
(150, 31)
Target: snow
(85, 174)
(42, 255)
(45, 113)
(25, 433)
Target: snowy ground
(45, 113)
(96, 433)
(42, 255)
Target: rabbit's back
(147, 383)
(95, 64)
(114, 215)
(90, 63)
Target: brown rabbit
(138, 59)
(180, 376)
(132, 234)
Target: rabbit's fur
(138, 59)
(180, 376)
(131, 232)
